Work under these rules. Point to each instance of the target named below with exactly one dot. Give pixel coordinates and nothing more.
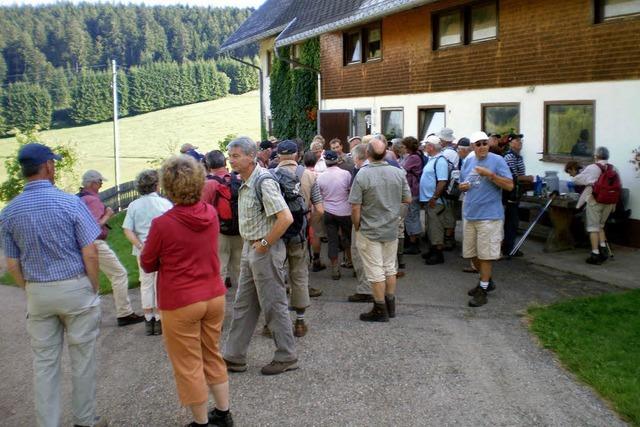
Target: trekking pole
(526, 233)
(609, 249)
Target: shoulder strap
(299, 172)
(259, 182)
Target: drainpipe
(306, 67)
(262, 116)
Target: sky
(219, 3)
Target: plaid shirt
(45, 229)
(256, 221)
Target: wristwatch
(264, 243)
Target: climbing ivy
(293, 94)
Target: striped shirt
(256, 221)
(45, 229)
(515, 163)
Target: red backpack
(226, 203)
(607, 188)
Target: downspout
(306, 67)
(262, 116)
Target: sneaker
(378, 313)
(148, 326)
(360, 298)
(435, 257)
(479, 298)
(318, 266)
(157, 328)
(130, 319)
(235, 367)
(266, 332)
(220, 419)
(98, 422)
(346, 264)
(490, 288)
(275, 367)
(390, 301)
(595, 259)
(605, 254)
(299, 328)
(314, 293)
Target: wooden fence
(127, 194)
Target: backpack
(452, 189)
(607, 188)
(227, 203)
(290, 188)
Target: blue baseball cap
(36, 154)
(287, 147)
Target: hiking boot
(346, 264)
(390, 301)
(449, 243)
(157, 328)
(275, 367)
(235, 367)
(299, 328)
(604, 253)
(378, 313)
(479, 298)
(335, 272)
(266, 332)
(314, 293)
(360, 298)
(318, 266)
(97, 422)
(435, 257)
(131, 319)
(219, 419)
(595, 259)
(490, 288)
(412, 249)
(148, 326)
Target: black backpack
(290, 188)
(228, 217)
(452, 189)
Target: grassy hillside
(148, 136)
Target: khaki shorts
(436, 224)
(378, 258)
(482, 239)
(449, 216)
(597, 215)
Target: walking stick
(526, 233)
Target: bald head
(376, 149)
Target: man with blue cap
(48, 238)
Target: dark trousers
(511, 221)
(338, 233)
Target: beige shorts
(436, 224)
(482, 239)
(378, 258)
(597, 215)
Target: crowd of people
(258, 229)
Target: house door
(335, 124)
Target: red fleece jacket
(183, 247)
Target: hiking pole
(609, 249)
(526, 233)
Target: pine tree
(27, 106)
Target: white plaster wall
(266, 45)
(617, 121)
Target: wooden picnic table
(561, 213)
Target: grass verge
(598, 339)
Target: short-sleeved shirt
(335, 184)
(515, 163)
(255, 219)
(380, 189)
(452, 155)
(483, 201)
(436, 166)
(308, 187)
(141, 212)
(46, 229)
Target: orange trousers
(192, 336)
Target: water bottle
(571, 187)
(537, 186)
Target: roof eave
(272, 32)
(376, 12)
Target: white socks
(484, 285)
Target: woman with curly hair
(183, 247)
(136, 227)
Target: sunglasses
(481, 143)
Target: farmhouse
(566, 73)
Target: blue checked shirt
(45, 228)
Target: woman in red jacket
(183, 247)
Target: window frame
(563, 158)
(363, 34)
(498, 104)
(599, 18)
(355, 120)
(465, 19)
(401, 109)
(429, 107)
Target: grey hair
(435, 145)
(246, 144)
(602, 153)
(359, 152)
(147, 181)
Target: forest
(55, 60)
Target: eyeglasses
(481, 143)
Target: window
(392, 123)
(501, 118)
(430, 120)
(611, 9)
(362, 123)
(471, 23)
(569, 127)
(363, 44)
